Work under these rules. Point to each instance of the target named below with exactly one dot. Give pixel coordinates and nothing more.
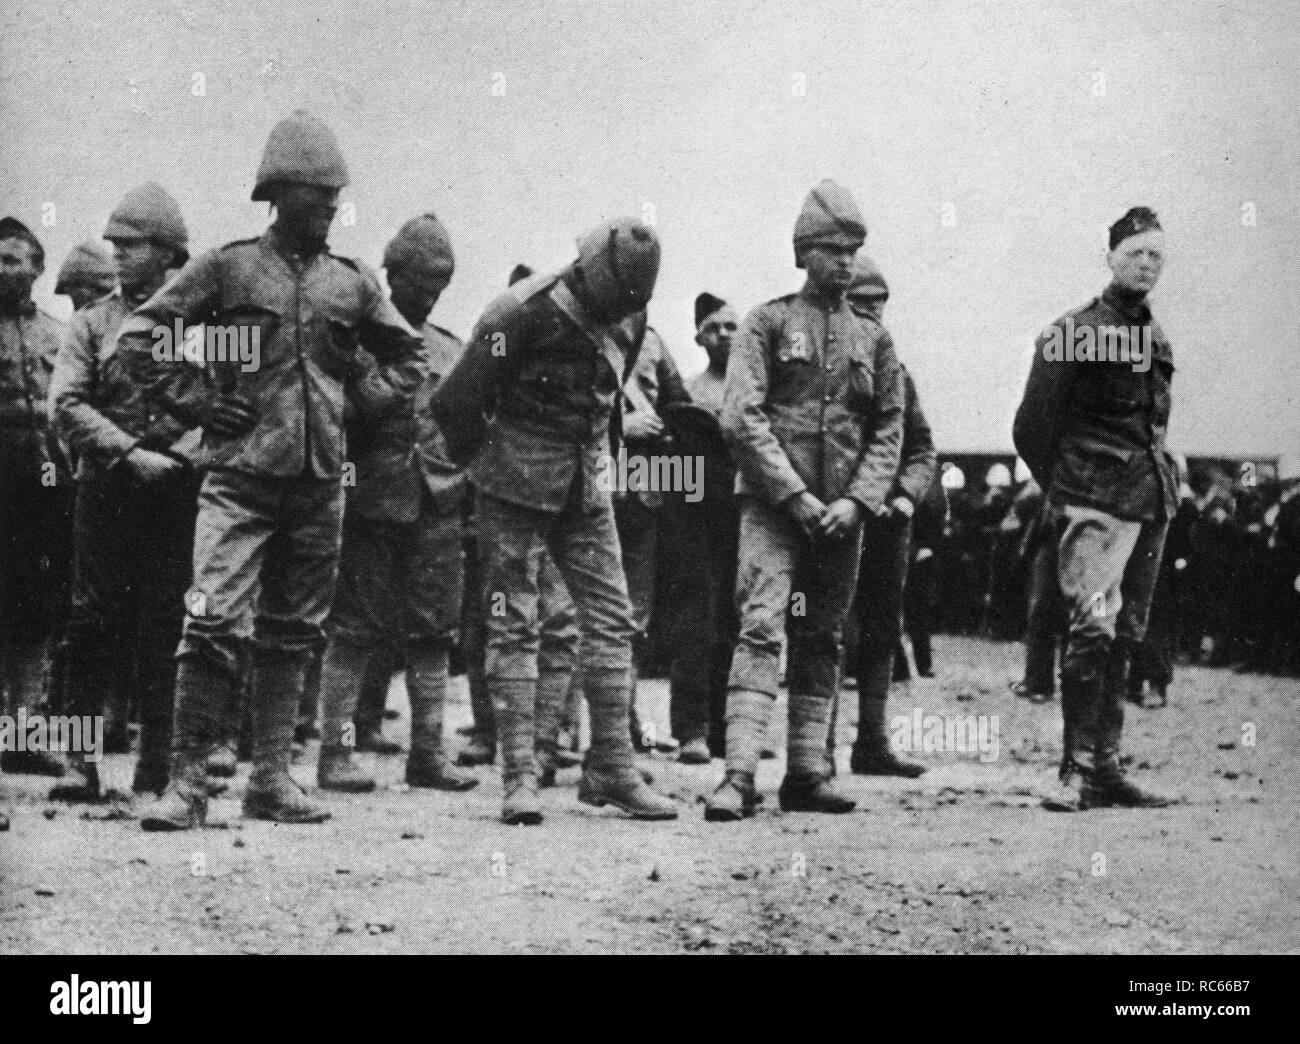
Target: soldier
(1093, 434)
(136, 490)
(402, 564)
(271, 504)
(814, 414)
(548, 361)
(35, 490)
(704, 537)
(559, 641)
(882, 574)
(87, 274)
(654, 387)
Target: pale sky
(1030, 125)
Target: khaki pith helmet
(88, 265)
(620, 263)
(422, 244)
(300, 148)
(149, 212)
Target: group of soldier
(369, 495)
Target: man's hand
(149, 466)
(229, 415)
(808, 511)
(840, 519)
(641, 425)
(902, 506)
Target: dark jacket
(397, 446)
(311, 315)
(29, 343)
(814, 401)
(96, 406)
(1093, 433)
(530, 402)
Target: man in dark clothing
(136, 501)
(35, 491)
(1091, 427)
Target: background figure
(1045, 617)
(136, 504)
(36, 497)
(653, 387)
(921, 595)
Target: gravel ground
(961, 860)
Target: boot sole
(347, 788)
(276, 815)
(521, 818)
(601, 802)
(838, 811)
(452, 786)
(725, 815)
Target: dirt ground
(961, 860)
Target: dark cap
(705, 305)
(1135, 222)
(12, 228)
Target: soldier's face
(306, 211)
(141, 262)
(18, 269)
(830, 267)
(716, 334)
(415, 293)
(1136, 262)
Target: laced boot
(872, 754)
(609, 776)
(746, 728)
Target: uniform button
(831, 337)
(828, 397)
(830, 367)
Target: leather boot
(426, 687)
(609, 776)
(514, 706)
(342, 672)
(1082, 683)
(734, 799)
(183, 805)
(276, 693)
(872, 755)
(1110, 788)
(81, 784)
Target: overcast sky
(988, 145)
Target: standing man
(401, 570)
(35, 490)
(1093, 434)
(882, 575)
(134, 523)
(704, 538)
(548, 362)
(654, 387)
(814, 414)
(270, 519)
(87, 274)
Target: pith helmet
(300, 148)
(88, 265)
(829, 216)
(149, 212)
(423, 244)
(867, 286)
(620, 262)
